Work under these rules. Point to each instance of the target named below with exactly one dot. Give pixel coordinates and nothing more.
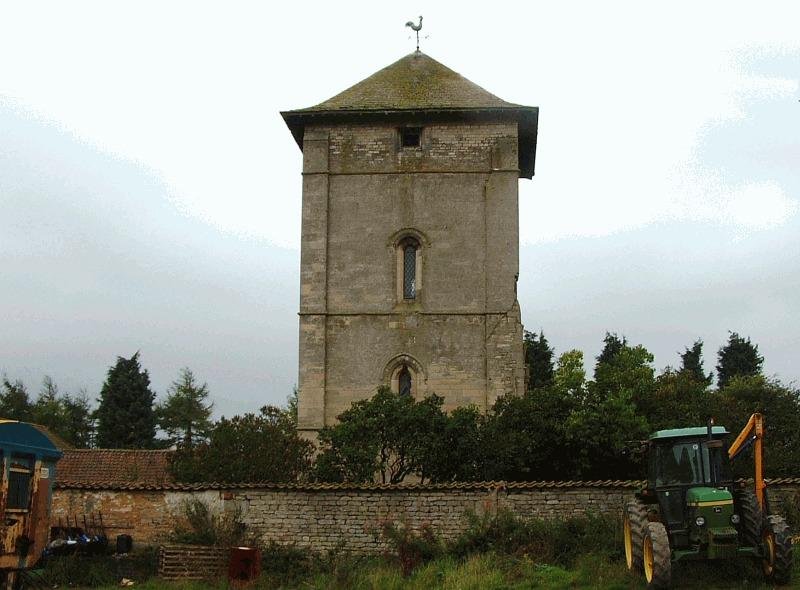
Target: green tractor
(692, 509)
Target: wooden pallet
(192, 562)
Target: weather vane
(415, 28)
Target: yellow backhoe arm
(753, 433)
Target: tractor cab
(689, 476)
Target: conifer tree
(185, 415)
(612, 346)
(738, 358)
(692, 364)
(539, 360)
(125, 417)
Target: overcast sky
(150, 192)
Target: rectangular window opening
(19, 484)
(410, 136)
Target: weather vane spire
(416, 28)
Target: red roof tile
(114, 467)
(368, 487)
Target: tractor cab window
(679, 463)
(689, 463)
(719, 464)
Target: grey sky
(149, 191)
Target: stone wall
(324, 517)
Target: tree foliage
(15, 404)
(566, 426)
(538, 360)
(678, 399)
(520, 434)
(612, 344)
(692, 364)
(125, 416)
(780, 405)
(186, 413)
(388, 436)
(263, 447)
(738, 358)
(570, 376)
(68, 416)
(628, 369)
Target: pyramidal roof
(414, 82)
(418, 88)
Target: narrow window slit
(404, 381)
(410, 272)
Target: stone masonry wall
(327, 517)
(363, 193)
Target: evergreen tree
(738, 358)
(78, 424)
(125, 417)
(612, 345)
(48, 410)
(692, 364)
(539, 360)
(14, 401)
(185, 416)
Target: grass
(490, 571)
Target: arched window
(404, 381)
(408, 248)
(410, 270)
(404, 375)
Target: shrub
(557, 542)
(285, 564)
(338, 563)
(200, 527)
(411, 548)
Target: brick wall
(321, 517)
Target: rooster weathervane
(416, 28)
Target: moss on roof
(417, 88)
(414, 82)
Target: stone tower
(409, 243)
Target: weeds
(411, 548)
(544, 541)
(200, 526)
(90, 571)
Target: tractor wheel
(777, 546)
(633, 523)
(657, 556)
(751, 524)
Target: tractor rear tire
(752, 521)
(657, 556)
(633, 524)
(777, 545)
